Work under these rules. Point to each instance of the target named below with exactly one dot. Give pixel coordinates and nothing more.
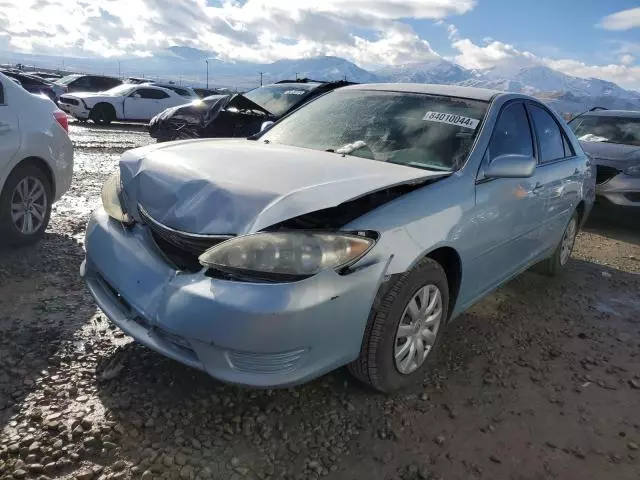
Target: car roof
(613, 113)
(473, 93)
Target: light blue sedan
(348, 233)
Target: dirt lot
(541, 380)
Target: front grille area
(180, 248)
(266, 363)
(604, 174)
(68, 101)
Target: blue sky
(599, 38)
(549, 28)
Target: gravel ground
(540, 380)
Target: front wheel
(405, 329)
(25, 206)
(102, 114)
(554, 264)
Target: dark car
(236, 115)
(88, 83)
(32, 84)
(612, 139)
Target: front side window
(512, 134)
(417, 130)
(608, 129)
(549, 135)
(150, 93)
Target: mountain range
(187, 65)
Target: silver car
(347, 233)
(612, 139)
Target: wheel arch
(42, 165)
(450, 261)
(581, 210)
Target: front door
(507, 209)
(143, 104)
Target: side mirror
(266, 125)
(511, 166)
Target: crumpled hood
(612, 154)
(240, 186)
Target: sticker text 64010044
(452, 119)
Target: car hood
(88, 95)
(612, 154)
(221, 186)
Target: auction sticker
(295, 92)
(452, 119)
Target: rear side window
(512, 134)
(1, 94)
(550, 138)
(151, 93)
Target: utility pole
(119, 74)
(206, 60)
(261, 73)
(296, 75)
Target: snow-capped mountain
(319, 68)
(436, 71)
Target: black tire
(553, 265)
(11, 234)
(102, 114)
(376, 366)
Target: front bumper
(257, 334)
(622, 190)
(78, 111)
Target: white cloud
(254, 30)
(627, 59)
(495, 54)
(623, 20)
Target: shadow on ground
(622, 224)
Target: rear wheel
(405, 330)
(102, 114)
(25, 206)
(554, 264)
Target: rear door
(560, 176)
(507, 209)
(9, 130)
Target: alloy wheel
(418, 329)
(29, 205)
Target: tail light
(62, 119)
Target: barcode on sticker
(452, 119)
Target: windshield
(67, 80)
(120, 90)
(625, 131)
(278, 99)
(418, 130)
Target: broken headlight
(285, 256)
(111, 199)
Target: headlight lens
(285, 255)
(633, 170)
(111, 199)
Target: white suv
(36, 162)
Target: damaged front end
(219, 116)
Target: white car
(125, 102)
(36, 162)
(187, 92)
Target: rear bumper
(622, 190)
(256, 334)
